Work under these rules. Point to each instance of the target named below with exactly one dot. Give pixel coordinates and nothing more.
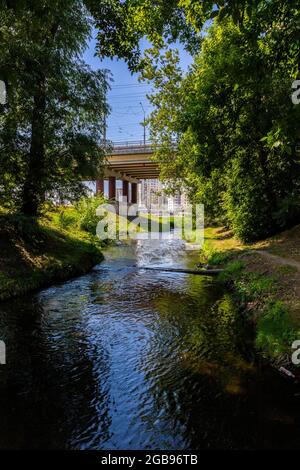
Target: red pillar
(125, 189)
(100, 186)
(112, 187)
(134, 193)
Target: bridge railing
(133, 146)
(131, 143)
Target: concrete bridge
(129, 162)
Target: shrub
(68, 219)
(86, 213)
(248, 208)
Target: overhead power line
(130, 85)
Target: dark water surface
(125, 358)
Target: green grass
(259, 285)
(37, 252)
(213, 256)
(233, 269)
(266, 292)
(275, 331)
(249, 285)
(274, 327)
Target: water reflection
(126, 358)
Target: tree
(52, 126)
(237, 128)
(163, 22)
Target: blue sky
(126, 95)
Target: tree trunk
(33, 193)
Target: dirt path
(279, 259)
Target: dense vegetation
(232, 116)
(36, 252)
(227, 130)
(51, 126)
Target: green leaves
(232, 115)
(42, 43)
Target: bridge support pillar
(100, 186)
(112, 187)
(125, 190)
(134, 193)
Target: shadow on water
(124, 358)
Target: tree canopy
(235, 123)
(52, 124)
(227, 130)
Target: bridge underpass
(129, 162)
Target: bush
(248, 208)
(86, 213)
(68, 219)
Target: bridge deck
(132, 160)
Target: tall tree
(52, 125)
(236, 125)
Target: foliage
(68, 218)
(162, 22)
(227, 131)
(38, 251)
(51, 126)
(236, 128)
(82, 215)
(86, 211)
(275, 330)
(275, 327)
(232, 269)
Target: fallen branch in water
(203, 272)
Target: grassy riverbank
(38, 252)
(265, 278)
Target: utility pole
(144, 123)
(104, 131)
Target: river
(126, 358)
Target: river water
(127, 358)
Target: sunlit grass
(36, 252)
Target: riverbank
(265, 279)
(36, 253)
